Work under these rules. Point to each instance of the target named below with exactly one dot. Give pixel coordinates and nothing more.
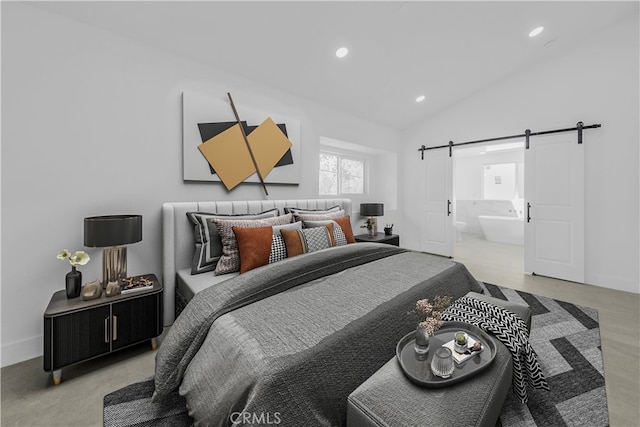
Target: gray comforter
(286, 343)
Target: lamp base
(114, 264)
(373, 226)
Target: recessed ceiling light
(420, 98)
(342, 52)
(536, 31)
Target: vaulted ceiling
(398, 50)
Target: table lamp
(371, 211)
(111, 232)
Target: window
(341, 174)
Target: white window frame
(349, 156)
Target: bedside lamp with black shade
(371, 211)
(112, 232)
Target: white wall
(469, 172)
(92, 125)
(595, 82)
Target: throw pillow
(342, 230)
(230, 259)
(308, 240)
(312, 211)
(292, 226)
(278, 249)
(319, 217)
(208, 242)
(254, 246)
(338, 234)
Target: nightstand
(392, 239)
(76, 330)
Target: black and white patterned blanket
(511, 330)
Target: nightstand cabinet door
(136, 320)
(79, 335)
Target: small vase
(73, 283)
(421, 345)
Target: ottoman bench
(389, 399)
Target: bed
(287, 342)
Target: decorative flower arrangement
(432, 313)
(368, 224)
(78, 257)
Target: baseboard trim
(611, 282)
(22, 350)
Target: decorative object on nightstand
(388, 229)
(92, 290)
(371, 211)
(112, 232)
(76, 330)
(112, 289)
(73, 279)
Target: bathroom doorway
(488, 188)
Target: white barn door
(437, 229)
(554, 217)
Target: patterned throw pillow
(208, 242)
(343, 232)
(308, 240)
(230, 259)
(278, 249)
(338, 234)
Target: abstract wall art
(265, 149)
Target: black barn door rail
(527, 134)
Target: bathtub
(504, 229)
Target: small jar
(442, 363)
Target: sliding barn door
(554, 217)
(437, 229)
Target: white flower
(64, 254)
(78, 257)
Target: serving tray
(418, 369)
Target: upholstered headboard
(178, 244)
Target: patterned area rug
(565, 336)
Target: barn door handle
(448, 207)
(528, 212)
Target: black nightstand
(393, 239)
(76, 330)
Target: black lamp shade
(371, 209)
(112, 230)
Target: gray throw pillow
(312, 211)
(208, 243)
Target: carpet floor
(566, 338)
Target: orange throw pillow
(345, 224)
(254, 245)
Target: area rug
(565, 336)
